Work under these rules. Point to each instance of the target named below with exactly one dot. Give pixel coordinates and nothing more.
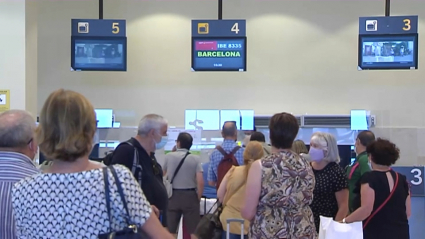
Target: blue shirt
(209, 191)
(13, 168)
(216, 157)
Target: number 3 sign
(415, 177)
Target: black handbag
(130, 231)
(210, 226)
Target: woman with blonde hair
(299, 147)
(76, 197)
(232, 190)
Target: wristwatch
(343, 220)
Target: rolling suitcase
(230, 220)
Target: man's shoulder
(363, 159)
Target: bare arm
(154, 229)
(408, 206)
(367, 200)
(200, 183)
(342, 199)
(221, 192)
(253, 191)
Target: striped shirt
(13, 168)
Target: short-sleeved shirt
(186, 176)
(216, 157)
(209, 191)
(329, 180)
(73, 205)
(361, 168)
(391, 221)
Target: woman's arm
(221, 192)
(253, 191)
(367, 201)
(154, 229)
(408, 206)
(342, 199)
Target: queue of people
(273, 190)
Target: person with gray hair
(330, 195)
(138, 155)
(17, 151)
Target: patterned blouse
(286, 193)
(73, 205)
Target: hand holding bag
(130, 231)
(330, 229)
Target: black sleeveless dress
(391, 221)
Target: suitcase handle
(230, 220)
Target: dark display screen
(388, 52)
(219, 54)
(100, 54)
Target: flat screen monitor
(359, 120)
(380, 52)
(218, 54)
(202, 119)
(99, 54)
(244, 118)
(104, 118)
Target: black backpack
(107, 160)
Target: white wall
(12, 51)
(302, 58)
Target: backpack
(227, 162)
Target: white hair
(149, 122)
(17, 128)
(328, 143)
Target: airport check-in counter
(415, 178)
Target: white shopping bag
(180, 232)
(330, 229)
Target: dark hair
(185, 140)
(283, 130)
(229, 129)
(258, 136)
(383, 152)
(366, 137)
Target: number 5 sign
(415, 177)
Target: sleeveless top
(283, 211)
(235, 194)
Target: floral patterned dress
(283, 211)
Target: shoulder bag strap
(136, 164)
(178, 167)
(384, 203)
(121, 193)
(235, 149)
(107, 195)
(221, 150)
(353, 168)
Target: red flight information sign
(206, 46)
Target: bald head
(229, 130)
(16, 129)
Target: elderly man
(138, 154)
(17, 151)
